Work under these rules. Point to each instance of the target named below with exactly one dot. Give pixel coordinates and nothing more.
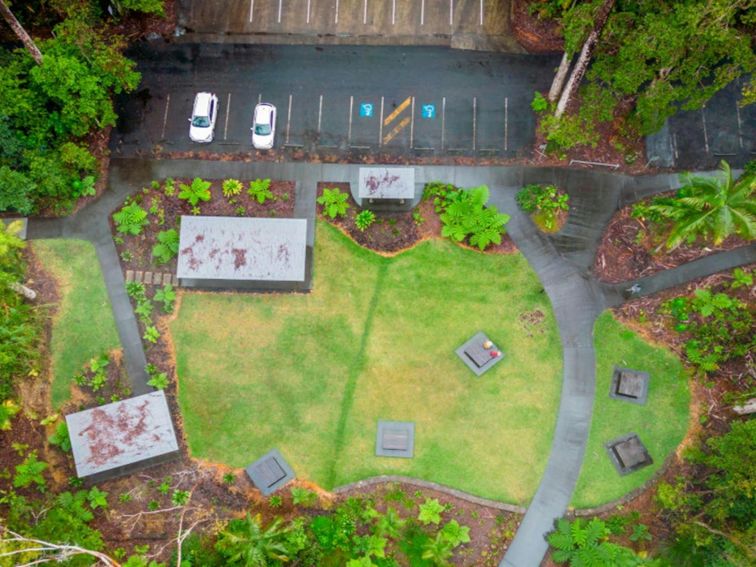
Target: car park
(204, 113)
(263, 126)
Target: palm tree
(246, 543)
(711, 208)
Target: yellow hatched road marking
(398, 111)
(398, 128)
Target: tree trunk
(585, 57)
(20, 32)
(747, 408)
(561, 75)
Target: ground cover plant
(661, 423)
(146, 227)
(83, 325)
(546, 204)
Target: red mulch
(534, 34)
(136, 251)
(628, 250)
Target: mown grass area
(661, 423)
(83, 326)
(311, 374)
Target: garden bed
(628, 250)
(395, 232)
(164, 210)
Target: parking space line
(475, 120)
(308, 10)
(380, 126)
(740, 126)
(481, 12)
(259, 98)
(280, 8)
(412, 124)
(288, 121)
(336, 18)
(165, 115)
(397, 111)
(705, 133)
(393, 12)
(674, 145)
(351, 108)
(228, 111)
(364, 12)
(320, 113)
(443, 122)
(451, 12)
(422, 12)
(251, 10)
(506, 122)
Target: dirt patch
(630, 249)
(533, 33)
(164, 211)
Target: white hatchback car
(263, 126)
(202, 122)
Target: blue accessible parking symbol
(366, 110)
(429, 111)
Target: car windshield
(201, 121)
(262, 129)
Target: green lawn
(83, 326)
(661, 423)
(311, 374)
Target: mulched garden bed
(394, 232)
(534, 34)
(628, 250)
(136, 251)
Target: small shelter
(253, 253)
(387, 189)
(118, 438)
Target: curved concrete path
(563, 263)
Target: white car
(202, 122)
(263, 126)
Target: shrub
(582, 543)
(334, 202)
(60, 437)
(364, 219)
(259, 189)
(303, 497)
(30, 472)
(198, 191)
(131, 219)
(544, 201)
(166, 295)
(232, 187)
(169, 190)
(167, 247)
(466, 216)
(16, 191)
(539, 102)
(8, 409)
(151, 334)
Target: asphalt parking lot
(415, 101)
(700, 139)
